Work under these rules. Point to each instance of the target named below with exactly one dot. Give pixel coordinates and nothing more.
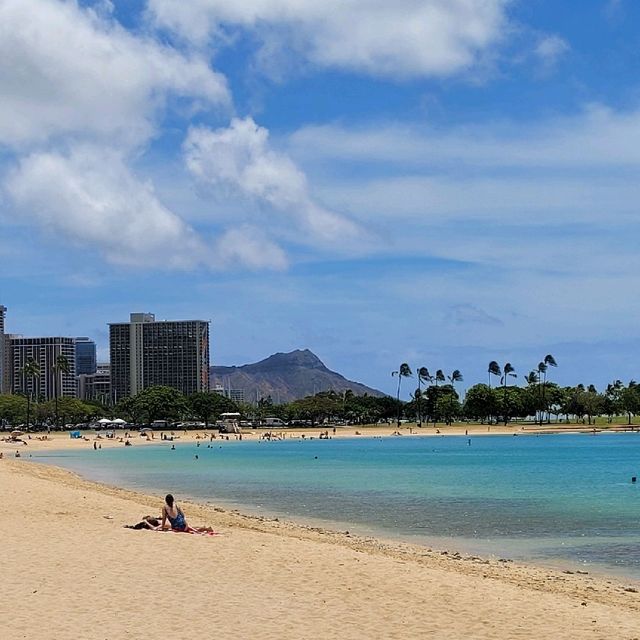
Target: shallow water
(557, 499)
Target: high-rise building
(145, 352)
(5, 373)
(96, 386)
(85, 356)
(237, 395)
(51, 380)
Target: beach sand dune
(70, 570)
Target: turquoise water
(564, 499)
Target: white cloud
(599, 137)
(552, 198)
(241, 159)
(549, 50)
(405, 38)
(91, 197)
(249, 247)
(69, 70)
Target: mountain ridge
(285, 377)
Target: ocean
(561, 500)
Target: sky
(437, 182)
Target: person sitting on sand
(148, 522)
(175, 515)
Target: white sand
(70, 572)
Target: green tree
(630, 399)
(480, 403)
(161, 403)
(206, 406)
(13, 409)
(448, 406)
(69, 409)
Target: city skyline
(443, 197)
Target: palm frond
(494, 368)
(405, 370)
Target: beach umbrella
(104, 421)
(119, 421)
(146, 430)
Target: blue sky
(442, 182)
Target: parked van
(274, 422)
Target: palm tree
(31, 370)
(542, 378)
(403, 372)
(549, 361)
(423, 376)
(507, 370)
(60, 367)
(494, 370)
(456, 376)
(439, 377)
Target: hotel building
(145, 352)
(45, 352)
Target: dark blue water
(564, 498)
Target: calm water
(564, 499)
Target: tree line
(434, 400)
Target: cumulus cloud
(90, 196)
(69, 70)
(406, 38)
(241, 159)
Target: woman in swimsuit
(174, 514)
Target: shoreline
(60, 440)
(487, 549)
(444, 545)
(298, 558)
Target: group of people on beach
(173, 516)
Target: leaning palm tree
(423, 376)
(403, 372)
(493, 370)
(531, 378)
(508, 371)
(542, 378)
(455, 376)
(549, 361)
(61, 367)
(439, 377)
(30, 371)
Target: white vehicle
(229, 422)
(274, 422)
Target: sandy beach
(58, 440)
(72, 571)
